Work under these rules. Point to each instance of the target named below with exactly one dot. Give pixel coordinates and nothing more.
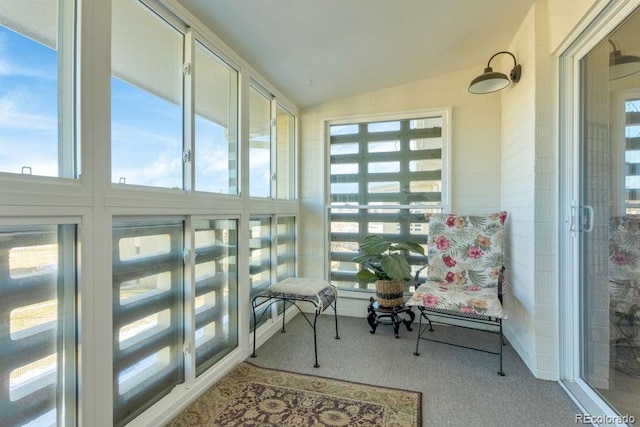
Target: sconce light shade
(493, 81)
(622, 65)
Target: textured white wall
(475, 122)
(518, 193)
(530, 193)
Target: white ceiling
(318, 50)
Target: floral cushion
(624, 263)
(465, 261)
(467, 300)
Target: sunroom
(164, 161)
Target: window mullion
(67, 287)
(189, 303)
(189, 110)
(274, 151)
(66, 89)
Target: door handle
(571, 219)
(589, 218)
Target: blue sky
(28, 105)
(146, 129)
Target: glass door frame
(604, 17)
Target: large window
(271, 165)
(216, 134)
(259, 144)
(271, 238)
(384, 176)
(36, 88)
(146, 98)
(159, 246)
(216, 291)
(37, 325)
(286, 247)
(285, 154)
(151, 259)
(259, 260)
(147, 313)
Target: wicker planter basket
(390, 293)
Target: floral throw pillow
(624, 248)
(466, 249)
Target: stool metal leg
(284, 312)
(253, 306)
(419, 333)
(335, 316)
(315, 340)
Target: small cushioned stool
(294, 290)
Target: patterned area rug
(256, 396)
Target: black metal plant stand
(394, 316)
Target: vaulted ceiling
(318, 50)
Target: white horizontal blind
(148, 322)
(216, 300)
(37, 325)
(260, 265)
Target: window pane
(147, 314)
(286, 251)
(349, 148)
(37, 326)
(259, 145)
(33, 139)
(383, 187)
(344, 169)
(384, 167)
(216, 129)
(383, 126)
(146, 98)
(383, 146)
(426, 123)
(216, 291)
(285, 141)
(344, 129)
(260, 260)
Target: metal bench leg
(284, 311)
(419, 333)
(315, 340)
(335, 316)
(501, 372)
(253, 306)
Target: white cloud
(12, 115)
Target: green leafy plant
(382, 259)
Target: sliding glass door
(604, 226)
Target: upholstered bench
(295, 290)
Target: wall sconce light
(622, 65)
(492, 81)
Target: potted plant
(382, 262)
